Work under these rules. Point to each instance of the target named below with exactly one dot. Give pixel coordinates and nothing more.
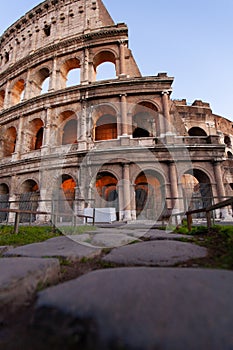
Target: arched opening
(29, 200)
(196, 131)
(144, 120)
(73, 77)
(4, 201)
(70, 73)
(149, 195)
(17, 92)
(140, 132)
(106, 191)
(197, 191)
(2, 98)
(37, 129)
(105, 66)
(68, 188)
(45, 86)
(70, 132)
(10, 141)
(227, 140)
(41, 81)
(229, 155)
(64, 197)
(106, 128)
(39, 138)
(106, 71)
(64, 131)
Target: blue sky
(191, 40)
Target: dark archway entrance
(29, 200)
(197, 191)
(149, 196)
(106, 190)
(64, 198)
(4, 201)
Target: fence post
(208, 219)
(16, 224)
(189, 221)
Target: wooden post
(16, 225)
(189, 221)
(208, 219)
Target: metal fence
(63, 207)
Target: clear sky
(191, 40)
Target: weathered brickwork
(146, 150)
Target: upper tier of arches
(55, 73)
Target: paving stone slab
(108, 238)
(20, 277)
(139, 308)
(155, 253)
(111, 239)
(63, 247)
(160, 234)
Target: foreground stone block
(155, 253)
(63, 247)
(20, 278)
(139, 308)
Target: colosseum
(73, 141)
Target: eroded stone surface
(63, 247)
(20, 277)
(140, 308)
(155, 253)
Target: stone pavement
(140, 308)
(20, 278)
(155, 253)
(62, 247)
(121, 308)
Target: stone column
(130, 123)
(120, 201)
(133, 204)
(127, 192)
(27, 91)
(18, 147)
(166, 114)
(174, 186)
(219, 183)
(122, 58)
(175, 201)
(12, 199)
(47, 128)
(220, 188)
(53, 77)
(82, 127)
(124, 123)
(85, 67)
(7, 96)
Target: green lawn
(33, 234)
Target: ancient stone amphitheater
(70, 138)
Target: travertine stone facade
(146, 152)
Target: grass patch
(26, 235)
(35, 234)
(77, 230)
(219, 242)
